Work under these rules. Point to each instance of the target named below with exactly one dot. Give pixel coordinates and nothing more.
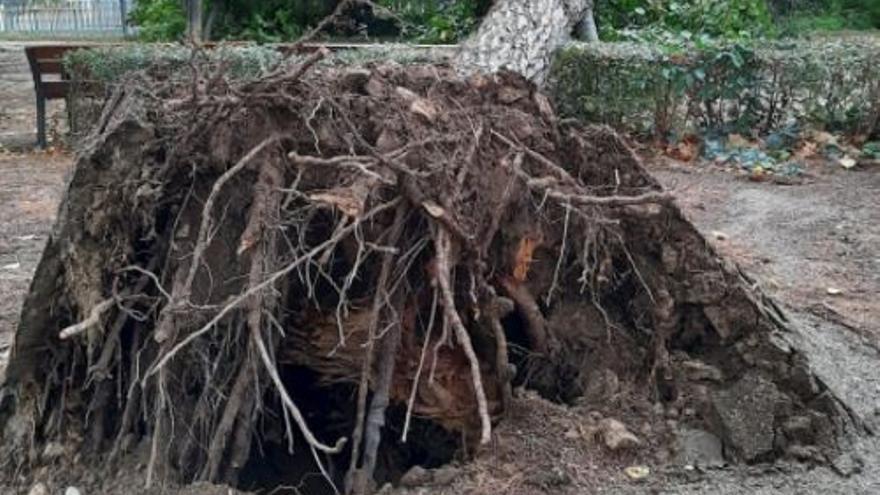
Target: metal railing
(64, 18)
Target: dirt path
(815, 245)
(798, 242)
(30, 189)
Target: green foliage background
(426, 21)
(447, 21)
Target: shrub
(108, 64)
(717, 18)
(275, 21)
(725, 87)
(159, 20)
(436, 21)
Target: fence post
(123, 10)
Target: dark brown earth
(831, 234)
(797, 241)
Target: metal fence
(64, 18)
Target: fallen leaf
(758, 174)
(847, 162)
(807, 150)
(637, 472)
(424, 108)
(685, 150)
(824, 138)
(737, 141)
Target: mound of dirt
(330, 275)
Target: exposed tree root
(400, 231)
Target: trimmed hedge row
(101, 69)
(830, 84)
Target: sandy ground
(814, 246)
(30, 189)
(30, 183)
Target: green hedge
(95, 71)
(109, 63)
(104, 67)
(831, 84)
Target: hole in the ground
(330, 412)
(558, 379)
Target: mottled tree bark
(521, 35)
(194, 15)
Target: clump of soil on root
(329, 275)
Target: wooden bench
(47, 60)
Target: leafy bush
(110, 63)
(726, 87)
(436, 21)
(159, 20)
(831, 15)
(275, 21)
(717, 18)
(268, 21)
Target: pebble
(416, 476)
(446, 475)
(637, 472)
(72, 490)
(616, 435)
(38, 489)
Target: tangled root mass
(376, 242)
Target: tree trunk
(587, 28)
(194, 20)
(521, 35)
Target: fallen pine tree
(363, 263)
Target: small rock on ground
(416, 476)
(698, 448)
(38, 489)
(616, 436)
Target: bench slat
(50, 66)
(50, 52)
(54, 90)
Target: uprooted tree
(342, 260)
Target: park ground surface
(815, 246)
